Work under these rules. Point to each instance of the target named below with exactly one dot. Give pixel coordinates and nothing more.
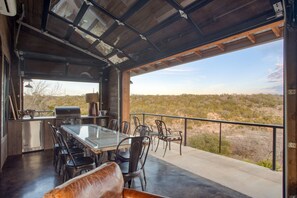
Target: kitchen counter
(17, 127)
(53, 118)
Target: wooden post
(125, 95)
(290, 95)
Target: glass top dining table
(97, 138)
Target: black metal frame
(201, 37)
(46, 5)
(220, 122)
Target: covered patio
(107, 42)
(198, 173)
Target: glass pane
(116, 7)
(116, 59)
(153, 13)
(104, 48)
(86, 36)
(81, 39)
(57, 26)
(66, 9)
(95, 21)
(121, 36)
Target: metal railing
(38, 113)
(186, 119)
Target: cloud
(278, 89)
(275, 78)
(276, 75)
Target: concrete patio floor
(246, 178)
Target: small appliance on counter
(68, 115)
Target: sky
(249, 71)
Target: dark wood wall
(125, 100)
(5, 37)
(112, 93)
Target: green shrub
(268, 164)
(210, 143)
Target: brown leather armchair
(104, 181)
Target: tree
(37, 97)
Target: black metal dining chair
(168, 136)
(113, 124)
(142, 130)
(60, 152)
(75, 165)
(56, 146)
(125, 127)
(132, 164)
(136, 121)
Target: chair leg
(180, 148)
(57, 164)
(165, 148)
(157, 144)
(65, 175)
(141, 182)
(59, 167)
(169, 145)
(152, 142)
(144, 177)
(129, 183)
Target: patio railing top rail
(211, 120)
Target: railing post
(143, 119)
(162, 118)
(185, 129)
(220, 139)
(274, 149)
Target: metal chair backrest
(113, 124)
(54, 135)
(136, 121)
(138, 150)
(65, 145)
(162, 129)
(142, 130)
(125, 126)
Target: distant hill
(250, 144)
(46, 102)
(256, 108)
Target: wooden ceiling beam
(136, 71)
(251, 37)
(276, 31)
(219, 44)
(145, 68)
(198, 52)
(221, 47)
(165, 62)
(154, 65)
(179, 59)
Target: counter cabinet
(15, 137)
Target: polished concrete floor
(246, 178)
(32, 174)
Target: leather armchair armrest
(130, 193)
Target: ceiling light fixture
(28, 86)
